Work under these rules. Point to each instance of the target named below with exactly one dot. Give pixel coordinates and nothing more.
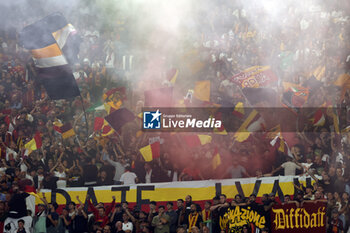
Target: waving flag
(151, 151)
(196, 140)
(216, 162)
(254, 77)
(114, 98)
(253, 123)
(238, 110)
(45, 39)
(57, 124)
(67, 131)
(343, 81)
(319, 118)
(34, 144)
(202, 90)
(294, 96)
(102, 125)
(319, 72)
(119, 118)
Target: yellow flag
(216, 161)
(204, 139)
(202, 90)
(242, 134)
(31, 145)
(319, 72)
(147, 153)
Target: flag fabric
(253, 123)
(294, 96)
(216, 162)
(273, 132)
(254, 77)
(318, 118)
(98, 123)
(98, 106)
(282, 145)
(31, 190)
(54, 71)
(151, 151)
(162, 97)
(67, 131)
(67, 39)
(276, 136)
(57, 124)
(172, 75)
(106, 129)
(196, 140)
(238, 110)
(119, 117)
(319, 72)
(108, 108)
(114, 97)
(335, 118)
(118, 93)
(202, 90)
(221, 130)
(278, 139)
(34, 144)
(343, 81)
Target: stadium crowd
(231, 39)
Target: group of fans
(231, 38)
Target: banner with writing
(142, 194)
(289, 218)
(252, 216)
(256, 76)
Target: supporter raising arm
(119, 167)
(101, 214)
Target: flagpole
(86, 119)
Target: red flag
(98, 123)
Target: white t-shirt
(61, 183)
(127, 226)
(290, 168)
(128, 178)
(148, 177)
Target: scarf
(206, 215)
(192, 220)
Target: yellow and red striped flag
(151, 151)
(67, 131)
(34, 144)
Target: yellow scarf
(192, 220)
(205, 215)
